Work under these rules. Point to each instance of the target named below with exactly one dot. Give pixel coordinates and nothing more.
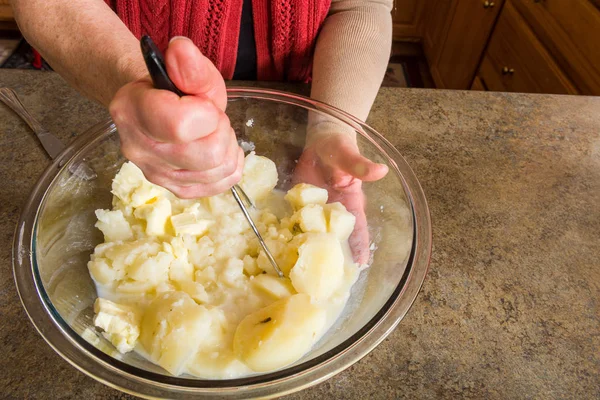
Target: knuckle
(116, 112)
(223, 150)
(214, 157)
(214, 190)
(235, 176)
(181, 192)
(222, 121)
(174, 175)
(220, 155)
(210, 162)
(119, 107)
(178, 128)
(230, 167)
(155, 178)
(131, 153)
(189, 192)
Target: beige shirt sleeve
(352, 54)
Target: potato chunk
(276, 287)
(113, 225)
(279, 334)
(303, 194)
(310, 218)
(173, 328)
(259, 177)
(339, 220)
(319, 270)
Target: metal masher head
(241, 196)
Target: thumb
(348, 160)
(193, 73)
(364, 169)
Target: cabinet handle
(508, 71)
(488, 4)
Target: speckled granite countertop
(510, 308)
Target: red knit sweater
(285, 30)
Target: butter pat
(156, 215)
(120, 323)
(189, 224)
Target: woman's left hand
(334, 162)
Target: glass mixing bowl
(56, 235)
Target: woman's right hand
(185, 144)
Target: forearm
(84, 41)
(352, 54)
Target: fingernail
(177, 38)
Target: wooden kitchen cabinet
(516, 61)
(570, 31)
(436, 20)
(5, 11)
(406, 18)
(539, 46)
(455, 36)
(478, 84)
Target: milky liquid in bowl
(64, 237)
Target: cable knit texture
(285, 30)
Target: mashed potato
(185, 283)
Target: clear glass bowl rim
(94, 363)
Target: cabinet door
(462, 47)
(570, 30)
(436, 21)
(406, 16)
(478, 85)
(515, 60)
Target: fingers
(341, 157)
(231, 165)
(203, 154)
(359, 240)
(193, 73)
(360, 167)
(184, 144)
(167, 118)
(310, 169)
(164, 116)
(354, 200)
(175, 181)
(187, 184)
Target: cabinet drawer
(515, 61)
(570, 30)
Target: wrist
(321, 127)
(128, 68)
